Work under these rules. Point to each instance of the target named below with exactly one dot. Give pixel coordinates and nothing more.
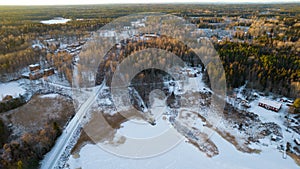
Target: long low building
(270, 105)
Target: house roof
(34, 65)
(47, 69)
(297, 141)
(274, 104)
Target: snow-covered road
(52, 158)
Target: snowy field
(11, 88)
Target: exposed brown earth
(103, 125)
(32, 116)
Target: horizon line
(142, 3)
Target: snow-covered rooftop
(297, 141)
(34, 65)
(47, 69)
(274, 104)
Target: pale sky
(74, 2)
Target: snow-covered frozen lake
(184, 155)
(57, 20)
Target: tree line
(265, 68)
(30, 148)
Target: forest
(266, 57)
(265, 69)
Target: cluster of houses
(75, 48)
(265, 103)
(138, 23)
(36, 72)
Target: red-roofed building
(270, 105)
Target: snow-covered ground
(268, 115)
(186, 155)
(53, 95)
(11, 88)
(276, 140)
(288, 135)
(58, 20)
